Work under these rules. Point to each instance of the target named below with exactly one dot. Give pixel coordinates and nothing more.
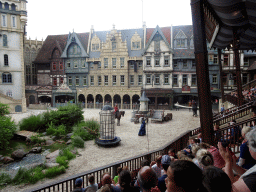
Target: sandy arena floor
(131, 144)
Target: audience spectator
(216, 180)
(78, 185)
(245, 160)
(106, 180)
(217, 158)
(119, 169)
(157, 167)
(147, 179)
(195, 148)
(166, 160)
(171, 152)
(93, 186)
(183, 176)
(125, 182)
(247, 181)
(203, 158)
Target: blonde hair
(204, 158)
(194, 149)
(181, 154)
(246, 129)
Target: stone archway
(32, 99)
(126, 101)
(108, 100)
(117, 100)
(135, 102)
(99, 101)
(90, 101)
(81, 100)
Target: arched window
(13, 7)
(6, 63)
(6, 78)
(5, 40)
(6, 6)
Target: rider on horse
(116, 110)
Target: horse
(118, 116)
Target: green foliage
(56, 131)
(82, 132)
(77, 141)
(87, 130)
(33, 123)
(22, 176)
(4, 109)
(66, 152)
(62, 160)
(5, 179)
(37, 139)
(7, 130)
(92, 124)
(54, 171)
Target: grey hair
(246, 129)
(251, 137)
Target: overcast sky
(53, 17)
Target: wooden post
(203, 83)
(221, 76)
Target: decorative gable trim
(157, 29)
(180, 35)
(73, 38)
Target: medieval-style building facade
(12, 27)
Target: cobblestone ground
(131, 144)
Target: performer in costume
(142, 130)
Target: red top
(116, 109)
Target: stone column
(113, 102)
(131, 103)
(202, 71)
(155, 102)
(94, 103)
(121, 103)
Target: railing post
(148, 157)
(115, 169)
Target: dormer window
(74, 49)
(136, 45)
(180, 40)
(113, 46)
(95, 47)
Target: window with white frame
(139, 79)
(166, 79)
(9, 93)
(83, 63)
(180, 40)
(166, 61)
(157, 62)
(148, 79)
(131, 80)
(114, 80)
(132, 65)
(75, 63)
(105, 63)
(85, 81)
(113, 63)
(70, 81)
(99, 65)
(106, 80)
(6, 78)
(136, 45)
(122, 62)
(226, 60)
(77, 81)
(215, 59)
(175, 80)
(175, 63)
(14, 24)
(4, 21)
(246, 61)
(95, 47)
(214, 79)
(5, 42)
(139, 64)
(68, 64)
(185, 63)
(157, 79)
(92, 80)
(99, 80)
(193, 63)
(148, 61)
(193, 80)
(122, 80)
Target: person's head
(204, 145)
(147, 178)
(106, 179)
(181, 154)
(125, 179)
(215, 179)
(245, 130)
(91, 179)
(158, 159)
(106, 188)
(199, 135)
(78, 182)
(119, 169)
(194, 149)
(171, 152)
(204, 158)
(216, 127)
(165, 161)
(116, 104)
(251, 138)
(183, 176)
(145, 162)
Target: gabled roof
(165, 32)
(186, 29)
(81, 39)
(50, 43)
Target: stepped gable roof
(50, 43)
(102, 35)
(84, 38)
(166, 31)
(183, 53)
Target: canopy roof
(222, 17)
